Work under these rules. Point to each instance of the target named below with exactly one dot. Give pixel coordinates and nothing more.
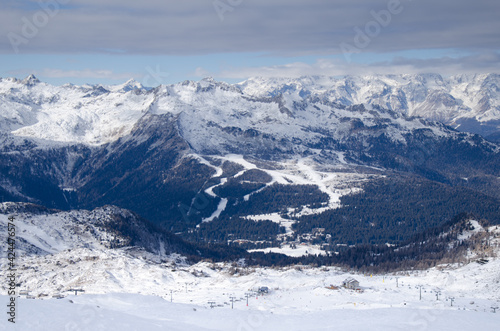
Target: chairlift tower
(247, 295)
(420, 287)
(232, 301)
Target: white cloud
(200, 72)
(479, 63)
(86, 73)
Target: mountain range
(371, 159)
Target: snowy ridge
(42, 231)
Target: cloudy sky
(164, 41)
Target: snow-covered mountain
(467, 102)
(101, 114)
(269, 151)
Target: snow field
(136, 312)
(129, 289)
(298, 300)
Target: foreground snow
(127, 293)
(130, 289)
(138, 312)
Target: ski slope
(138, 312)
(125, 292)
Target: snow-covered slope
(128, 312)
(298, 300)
(86, 114)
(41, 231)
(124, 291)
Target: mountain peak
(129, 85)
(209, 79)
(31, 80)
